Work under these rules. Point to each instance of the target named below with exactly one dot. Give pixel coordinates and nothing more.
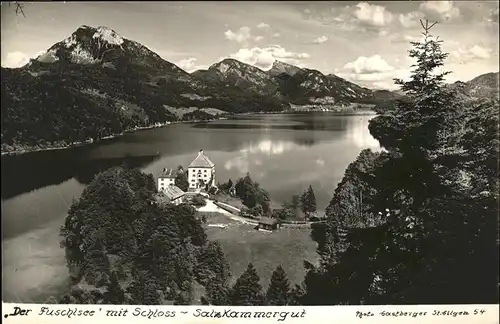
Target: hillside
(96, 83)
(483, 86)
(233, 73)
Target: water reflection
(24, 173)
(358, 134)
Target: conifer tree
(416, 254)
(308, 201)
(218, 293)
(114, 294)
(278, 293)
(297, 294)
(247, 290)
(181, 179)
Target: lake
(284, 153)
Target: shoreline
(136, 129)
(92, 141)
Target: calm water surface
(284, 153)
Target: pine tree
(217, 293)
(297, 294)
(212, 265)
(114, 294)
(415, 254)
(247, 290)
(181, 179)
(143, 290)
(308, 201)
(278, 293)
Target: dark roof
(201, 161)
(167, 173)
(267, 221)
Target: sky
(364, 42)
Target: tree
(308, 201)
(217, 293)
(143, 290)
(114, 294)
(229, 184)
(278, 293)
(113, 231)
(257, 211)
(247, 290)
(212, 265)
(297, 294)
(198, 201)
(419, 195)
(181, 179)
(251, 194)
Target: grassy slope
(243, 244)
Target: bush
(198, 201)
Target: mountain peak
(102, 33)
(109, 35)
(278, 63)
(282, 67)
(102, 45)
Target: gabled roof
(167, 173)
(201, 161)
(173, 192)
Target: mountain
(483, 86)
(233, 73)
(103, 46)
(96, 84)
(281, 67)
(309, 86)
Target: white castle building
(201, 172)
(166, 179)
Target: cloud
(439, 11)
(473, 53)
(15, 60)
(242, 35)
(372, 15)
(401, 38)
(410, 19)
(320, 40)
(265, 57)
(276, 35)
(363, 18)
(189, 65)
(18, 59)
(378, 80)
(372, 72)
(263, 25)
(367, 65)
